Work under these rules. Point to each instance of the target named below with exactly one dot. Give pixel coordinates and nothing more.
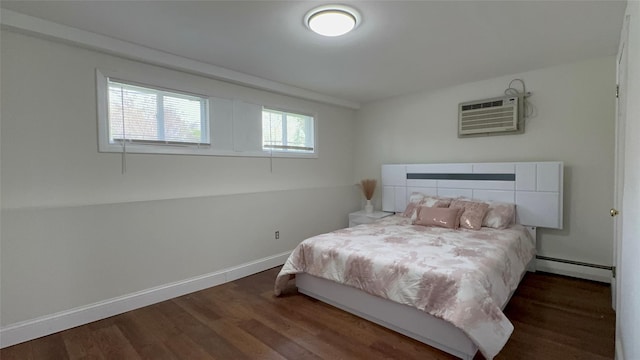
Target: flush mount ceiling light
(332, 20)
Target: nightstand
(361, 217)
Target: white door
(621, 117)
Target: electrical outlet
(277, 235)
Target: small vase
(368, 208)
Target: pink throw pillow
(473, 213)
(439, 216)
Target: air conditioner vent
(483, 105)
(489, 117)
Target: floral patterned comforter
(462, 276)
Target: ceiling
(401, 46)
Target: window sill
(203, 151)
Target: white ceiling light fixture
(332, 20)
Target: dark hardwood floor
(555, 317)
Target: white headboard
(535, 187)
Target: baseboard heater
(573, 262)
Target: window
(287, 132)
(150, 116)
(145, 113)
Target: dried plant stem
(368, 187)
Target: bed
(443, 287)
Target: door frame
(620, 125)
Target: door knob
(613, 212)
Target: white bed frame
(535, 188)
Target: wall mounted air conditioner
(496, 116)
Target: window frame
(146, 79)
(161, 95)
(313, 128)
(145, 146)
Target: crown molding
(15, 21)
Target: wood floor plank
(198, 306)
(316, 315)
(318, 338)
(50, 347)
(564, 338)
(184, 348)
(247, 343)
(394, 352)
(250, 346)
(561, 320)
(81, 344)
(202, 335)
(306, 336)
(147, 345)
(113, 344)
(156, 322)
(521, 348)
(555, 318)
(241, 311)
(276, 341)
(227, 303)
(359, 331)
(18, 352)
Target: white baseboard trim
(578, 271)
(49, 324)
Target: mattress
(462, 276)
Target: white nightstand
(361, 217)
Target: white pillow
(499, 215)
(417, 199)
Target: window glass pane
(137, 108)
(271, 129)
(284, 131)
(155, 115)
(296, 135)
(182, 120)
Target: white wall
(628, 312)
(76, 231)
(573, 122)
